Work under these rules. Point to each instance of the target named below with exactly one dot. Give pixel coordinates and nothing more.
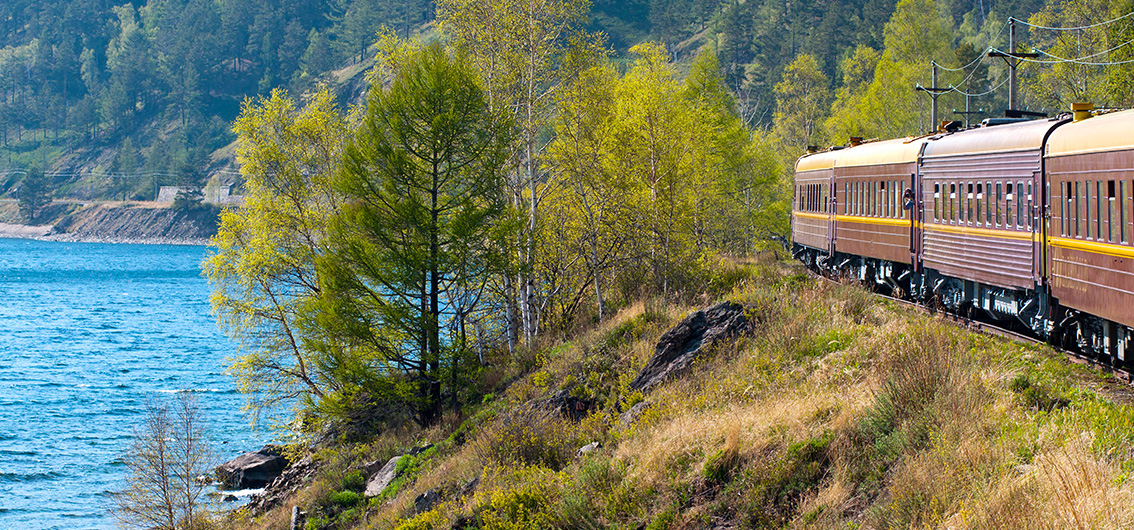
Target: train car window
(1111, 216)
(999, 204)
(969, 204)
(1067, 215)
(1098, 211)
(1008, 207)
(1080, 217)
(936, 202)
(951, 213)
(1122, 210)
(961, 199)
(979, 203)
(1030, 211)
(987, 203)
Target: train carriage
(980, 194)
(1090, 170)
(811, 215)
(870, 182)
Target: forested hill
(114, 100)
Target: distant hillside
(118, 100)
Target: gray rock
(589, 448)
(628, 418)
(380, 480)
(252, 470)
(680, 346)
(418, 450)
(426, 501)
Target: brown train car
(1090, 254)
(870, 180)
(982, 201)
(810, 212)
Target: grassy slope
(840, 411)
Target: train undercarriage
(1029, 311)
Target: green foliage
(346, 498)
(35, 194)
(415, 238)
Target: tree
(35, 194)
(170, 451)
(422, 181)
(801, 103)
(516, 45)
(263, 270)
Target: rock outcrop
(381, 478)
(252, 470)
(680, 346)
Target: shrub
(346, 498)
(529, 435)
(354, 481)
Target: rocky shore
(116, 223)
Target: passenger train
(1025, 222)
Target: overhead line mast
(1013, 60)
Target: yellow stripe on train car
(1109, 249)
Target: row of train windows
(1096, 209)
(879, 198)
(812, 198)
(987, 204)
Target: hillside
(115, 101)
(835, 409)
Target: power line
(989, 91)
(1111, 21)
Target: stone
(628, 418)
(426, 501)
(382, 478)
(278, 490)
(570, 406)
(252, 470)
(418, 450)
(589, 448)
(680, 346)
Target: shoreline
(47, 233)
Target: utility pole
(934, 93)
(1013, 60)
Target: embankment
(114, 223)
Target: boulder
(382, 478)
(628, 418)
(426, 501)
(252, 470)
(285, 485)
(680, 346)
(586, 449)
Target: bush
(354, 481)
(346, 498)
(529, 435)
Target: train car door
(1039, 216)
(832, 213)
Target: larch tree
(424, 196)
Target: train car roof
(1106, 132)
(896, 151)
(821, 160)
(994, 139)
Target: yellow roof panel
(896, 151)
(1106, 132)
(998, 138)
(822, 160)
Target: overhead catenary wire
(1076, 28)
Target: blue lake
(88, 333)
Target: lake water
(88, 332)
